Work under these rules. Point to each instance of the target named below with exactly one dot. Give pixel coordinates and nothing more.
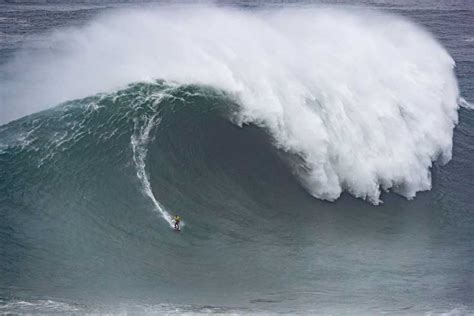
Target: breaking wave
(361, 102)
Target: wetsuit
(176, 222)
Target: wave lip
(367, 101)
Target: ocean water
(319, 153)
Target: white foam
(139, 142)
(368, 100)
(37, 306)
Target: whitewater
(363, 100)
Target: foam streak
(139, 142)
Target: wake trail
(139, 141)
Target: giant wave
(360, 101)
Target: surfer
(176, 220)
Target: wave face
(82, 185)
(95, 172)
(366, 101)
